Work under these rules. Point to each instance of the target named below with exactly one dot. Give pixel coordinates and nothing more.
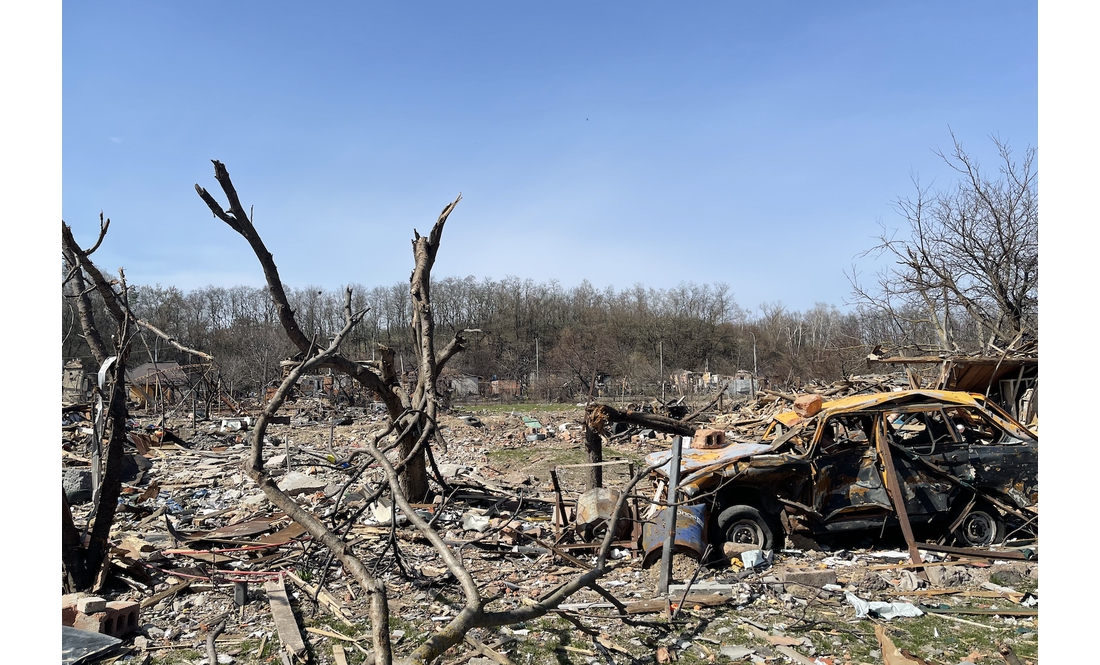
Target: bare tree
(378, 376)
(411, 427)
(972, 251)
(84, 560)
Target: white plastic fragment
(881, 609)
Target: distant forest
(566, 335)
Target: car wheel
(981, 528)
(746, 525)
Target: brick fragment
(807, 405)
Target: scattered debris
(223, 540)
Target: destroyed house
(461, 385)
(76, 383)
(157, 381)
(1011, 382)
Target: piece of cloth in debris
(881, 609)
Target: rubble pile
(751, 417)
(196, 545)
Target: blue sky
(756, 144)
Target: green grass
(177, 656)
(361, 629)
(524, 456)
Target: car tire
(746, 525)
(982, 527)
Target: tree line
(963, 277)
(520, 329)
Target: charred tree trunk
(593, 449)
(380, 376)
(85, 562)
(603, 415)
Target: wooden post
(559, 503)
(670, 529)
(893, 485)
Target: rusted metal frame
(893, 486)
(962, 483)
(636, 531)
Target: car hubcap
(978, 529)
(745, 533)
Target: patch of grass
(249, 651)
(526, 456)
(414, 636)
(177, 656)
(956, 640)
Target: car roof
(865, 401)
(857, 402)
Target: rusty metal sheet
(693, 459)
(595, 509)
(696, 463)
(239, 530)
(859, 402)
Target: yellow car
(964, 465)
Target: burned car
(963, 465)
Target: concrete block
(68, 608)
(296, 482)
(77, 484)
(122, 618)
(91, 605)
(708, 438)
(731, 550)
(811, 577)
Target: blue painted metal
(691, 533)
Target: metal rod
(672, 510)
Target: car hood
(696, 462)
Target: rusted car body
(963, 465)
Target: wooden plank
(338, 655)
(323, 596)
(488, 651)
(330, 633)
(897, 494)
(157, 597)
(972, 551)
(285, 623)
(981, 610)
(897, 566)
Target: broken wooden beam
(285, 623)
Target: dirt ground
(971, 612)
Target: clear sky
(756, 144)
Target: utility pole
(754, 368)
(662, 377)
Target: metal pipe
(670, 512)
